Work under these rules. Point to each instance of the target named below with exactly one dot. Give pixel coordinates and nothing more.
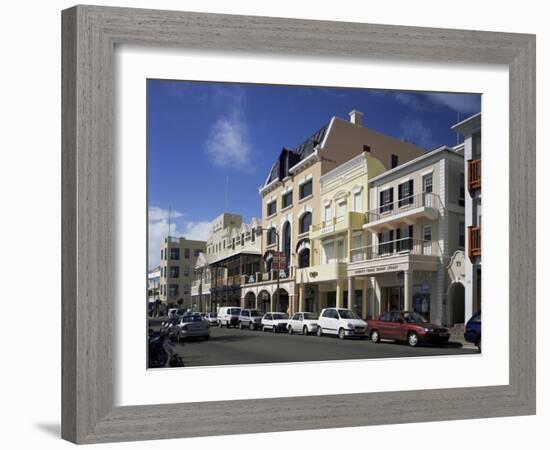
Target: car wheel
(375, 336)
(341, 333)
(289, 329)
(412, 339)
(319, 331)
(305, 330)
(251, 326)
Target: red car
(406, 326)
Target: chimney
(356, 117)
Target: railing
(474, 241)
(474, 174)
(259, 277)
(423, 199)
(404, 246)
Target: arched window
(286, 241)
(303, 258)
(271, 236)
(305, 222)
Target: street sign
(279, 261)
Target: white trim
(327, 132)
(427, 172)
(342, 194)
(356, 189)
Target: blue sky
(202, 137)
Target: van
(228, 316)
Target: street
(234, 346)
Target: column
(302, 298)
(339, 293)
(256, 301)
(272, 302)
(350, 293)
(364, 291)
(376, 297)
(408, 290)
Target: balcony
(474, 242)
(394, 256)
(324, 272)
(353, 220)
(404, 211)
(474, 174)
(264, 277)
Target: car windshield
(311, 316)
(234, 311)
(212, 315)
(412, 317)
(280, 316)
(193, 318)
(348, 314)
(254, 313)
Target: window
(386, 200)
(404, 239)
(341, 250)
(385, 317)
(385, 242)
(287, 199)
(186, 271)
(341, 210)
(252, 235)
(427, 233)
(272, 208)
(405, 193)
(245, 313)
(174, 271)
(196, 252)
(187, 253)
(461, 191)
(461, 233)
(366, 148)
(394, 161)
(186, 289)
(427, 183)
(303, 258)
(174, 254)
(329, 252)
(173, 290)
(327, 213)
(161, 254)
(358, 201)
(305, 222)
(271, 236)
(306, 189)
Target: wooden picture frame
(90, 34)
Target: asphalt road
(234, 346)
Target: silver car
(191, 326)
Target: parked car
(190, 326)
(407, 326)
(341, 322)
(303, 322)
(211, 318)
(250, 318)
(472, 332)
(274, 321)
(228, 316)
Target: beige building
(291, 203)
(233, 253)
(178, 257)
(416, 233)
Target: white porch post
(302, 298)
(364, 298)
(339, 293)
(350, 293)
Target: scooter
(161, 353)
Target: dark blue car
(472, 333)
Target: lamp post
(269, 230)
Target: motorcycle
(161, 351)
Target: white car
(303, 322)
(341, 322)
(274, 321)
(211, 318)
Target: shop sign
(379, 269)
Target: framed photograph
(260, 219)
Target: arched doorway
(280, 299)
(455, 303)
(286, 242)
(264, 301)
(250, 300)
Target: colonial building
(415, 226)
(233, 254)
(291, 203)
(471, 131)
(153, 285)
(178, 257)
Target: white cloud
(462, 103)
(158, 230)
(228, 143)
(416, 132)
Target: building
(178, 257)
(233, 254)
(291, 203)
(470, 129)
(153, 285)
(415, 227)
